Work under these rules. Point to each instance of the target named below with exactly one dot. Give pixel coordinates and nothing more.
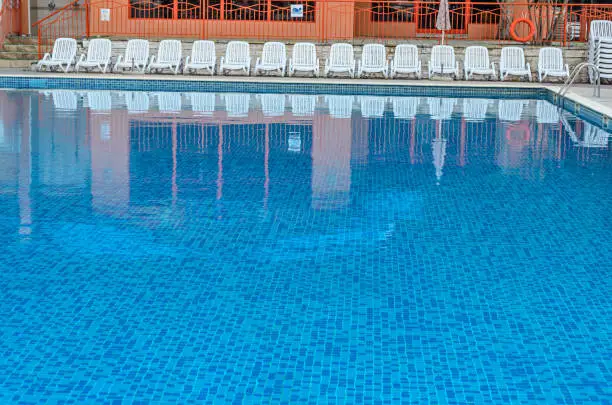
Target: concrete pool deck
(580, 93)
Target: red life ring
(522, 130)
(526, 38)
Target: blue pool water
(236, 248)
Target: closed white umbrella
(443, 21)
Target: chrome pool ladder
(572, 77)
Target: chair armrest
(47, 56)
(257, 61)
(567, 68)
(222, 60)
(187, 59)
(81, 59)
(151, 61)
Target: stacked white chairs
(136, 56)
(510, 110)
(405, 107)
(405, 61)
(547, 113)
(512, 63)
(273, 59)
(593, 137)
(202, 103)
(137, 102)
(373, 60)
(203, 57)
(600, 48)
(341, 60)
(303, 105)
(237, 58)
(169, 102)
(372, 107)
(340, 106)
(550, 63)
(62, 56)
(98, 55)
(65, 100)
(475, 109)
(272, 105)
(237, 104)
(100, 101)
(169, 56)
(443, 61)
(477, 62)
(304, 59)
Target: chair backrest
(203, 52)
(512, 57)
(304, 54)
(169, 51)
(272, 105)
(64, 49)
(372, 106)
(510, 110)
(341, 55)
(65, 100)
(340, 106)
(443, 55)
(203, 103)
(303, 105)
(594, 137)
(600, 29)
(441, 108)
(137, 50)
(237, 52)
(477, 57)
(274, 53)
(475, 109)
(136, 102)
(373, 55)
(169, 102)
(99, 100)
(237, 104)
(547, 113)
(99, 50)
(405, 107)
(550, 59)
(406, 56)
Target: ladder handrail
(572, 77)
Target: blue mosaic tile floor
(237, 248)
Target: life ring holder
(526, 38)
(522, 128)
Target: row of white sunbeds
(273, 59)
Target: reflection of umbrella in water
(443, 20)
(440, 109)
(439, 153)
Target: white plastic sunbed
(341, 60)
(477, 63)
(406, 61)
(100, 101)
(340, 106)
(137, 102)
(303, 105)
(273, 59)
(169, 102)
(98, 55)
(475, 109)
(304, 59)
(203, 57)
(512, 62)
(169, 56)
(237, 57)
(64, 100)
(62, 56)
(237, 104)
(203, 103)
(550, 63)
(372, 106)
(136, 56)
(373, 60)
(272, 105)
(443, 61)
(405, 107)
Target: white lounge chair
(341, 60)
(406, 61)
(62, 56)
(273, 58)
(98, 55)
(547, 113)
(203, 103)
(100, 101)
(237, 57)
(512, 62)
(441, 108)
(203, 57)
(443, 61)
(304, 59)
(373, 60)
(302, 105)
(137, 102)
(550, 63)
(136, 56)
(169, 102)
(237, 104)
(272, 105)
(169, 56)
(477, 63)
(510, 110)
(340, 106)
(65, 100)
(405, 107)
(475, 109)
(372, 107)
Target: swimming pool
(249, 248)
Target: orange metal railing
(315, 20)
(10, 19)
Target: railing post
(87, 32)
